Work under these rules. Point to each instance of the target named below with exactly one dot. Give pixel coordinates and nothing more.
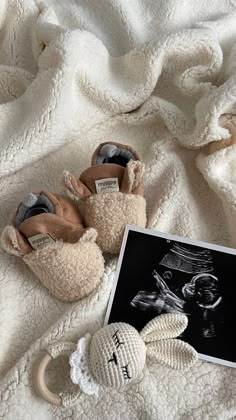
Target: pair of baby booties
(64, 249)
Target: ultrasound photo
(159, 273)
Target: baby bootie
(112, 193)
(47, 233)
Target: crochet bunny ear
(159, 335)
(173, 353)
(163, 327)
(75, 188)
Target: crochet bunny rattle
(116, 354)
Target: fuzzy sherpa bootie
(47, 233)
(112, 193)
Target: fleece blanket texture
(156, 75)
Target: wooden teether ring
(39, 378)
(41, 386)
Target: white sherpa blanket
(153, 74)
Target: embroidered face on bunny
(116, 354)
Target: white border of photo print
(169, 237)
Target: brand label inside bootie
(40, 240)
(107, 185)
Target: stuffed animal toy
(111, 191)
(116, 355)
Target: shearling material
(109, 213)
(156, 75)
(64, 265)
(64, 269)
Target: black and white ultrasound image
(159, 276)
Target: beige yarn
(173, 353)
(163, 327)
(122, 343)
(69, 271)
(116, 355)
(119, 345)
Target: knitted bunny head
(116, 354)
